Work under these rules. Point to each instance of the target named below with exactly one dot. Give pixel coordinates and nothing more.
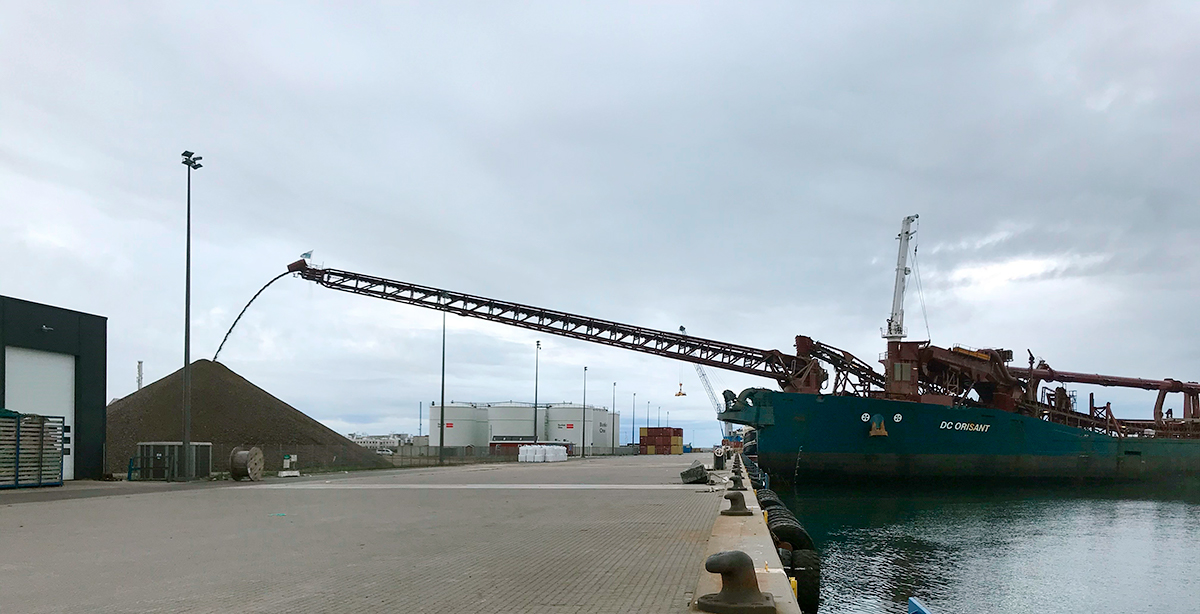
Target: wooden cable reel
(246, 463)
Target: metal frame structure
(795, 373)
(914, 371)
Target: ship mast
(895, 322)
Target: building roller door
(43, 383)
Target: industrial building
(378, 442)
(512, 423)
(54, 363)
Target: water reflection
(1019, 550)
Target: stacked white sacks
(541, 454)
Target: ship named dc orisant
(956, 413)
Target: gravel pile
(228, 411)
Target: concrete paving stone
(376, 549)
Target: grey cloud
(738, 169)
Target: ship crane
(712, 396)
(800, 372)
(895, 323)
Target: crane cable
(920, 288)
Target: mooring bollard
(739, 587)
(737, 505)
(737, 483)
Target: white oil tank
(601, 428)
(510, 422)
(565, 424)
(466, 425)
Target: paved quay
(598, 535)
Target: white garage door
(43, 383)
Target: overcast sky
(738, 168)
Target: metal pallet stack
(31, 449)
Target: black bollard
(737, 505)
(739, 587)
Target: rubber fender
(770, 504)
(767, 498)
(806, 569)
(787, 529)
(785, 557)
(781, 512)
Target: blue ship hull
(810, 438)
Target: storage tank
(601, 425)
(564, 424)
(466, 425)
(510, 422)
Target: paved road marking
(342, 486)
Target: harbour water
(1017, 551)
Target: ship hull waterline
(812, 438)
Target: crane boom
(712, 396)
(794, 373)
(895, 323)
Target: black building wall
(24, 324)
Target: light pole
(537, 352)
(583, 433)
(647, 414)
(659, 419)
(192, 162)
(668, 418)
(612, 422)
(442, 420)
(633, 423)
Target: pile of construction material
(661, 440)
(541, 454)
(228, 411)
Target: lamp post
(442, 420)
(192, 162)
(583, 432)
(659, 419)
(612, 422)
(537, 352)
(633, 423)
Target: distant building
(376, 442)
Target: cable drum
(246, 463)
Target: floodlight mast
(192, 162)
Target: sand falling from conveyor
(243, 312)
